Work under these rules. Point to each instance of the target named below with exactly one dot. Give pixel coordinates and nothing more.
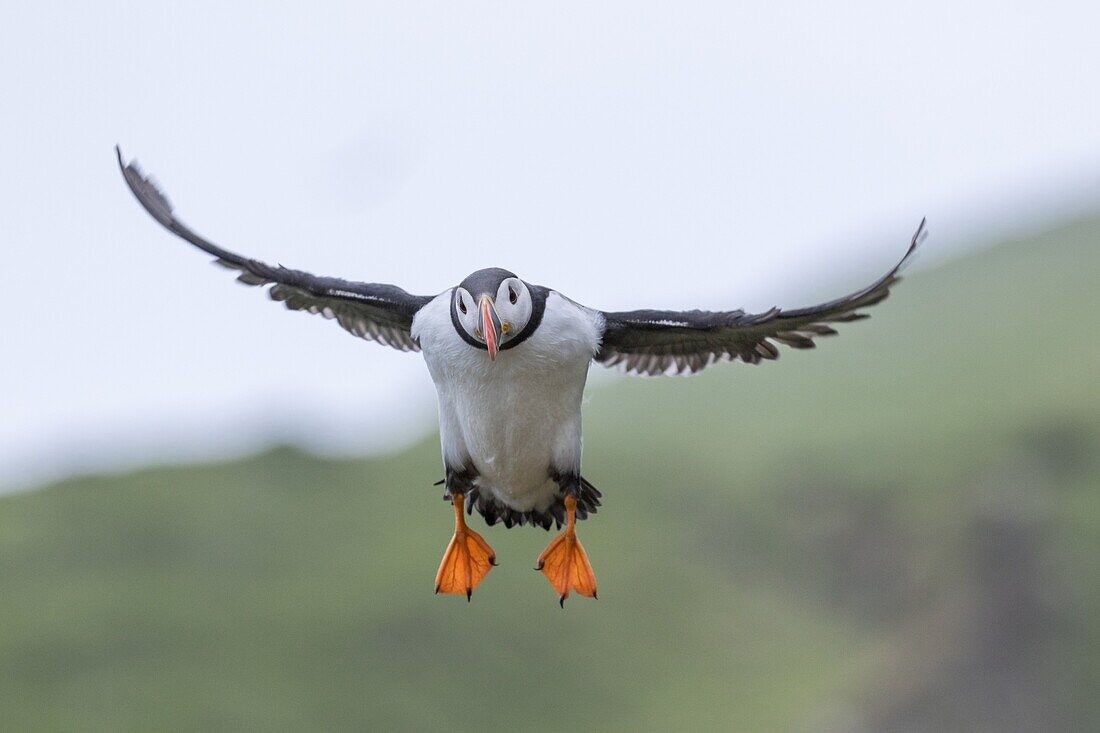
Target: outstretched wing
(372, 311)
(650, 342)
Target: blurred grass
(898, 531)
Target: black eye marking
(461, 305)
(512, 297)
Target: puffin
(509, 360)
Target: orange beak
(489, 323)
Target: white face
(513, 306)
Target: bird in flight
(509, 360)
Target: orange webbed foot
(565, 563)
(466, 561)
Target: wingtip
(918, 236)
(118, 154)
(921, 233)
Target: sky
(630, 154)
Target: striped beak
(488, 323)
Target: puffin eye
(462, 306)
(512, 297)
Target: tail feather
(588, 500)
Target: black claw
(437, 590)
(493, 561)
(539, 566)
(469, 592)
(561, 601)
(594, 596)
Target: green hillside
(896, 532)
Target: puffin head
(491, 308)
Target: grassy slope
(775, 539)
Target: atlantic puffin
(509, 360)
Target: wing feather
(653, 342)
(372, 311)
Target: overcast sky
(629, 154)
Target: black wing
(372, 311)
(649, 342)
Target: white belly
(517, 418)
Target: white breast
(516, 418)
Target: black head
(487, 281)
(494, 310)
